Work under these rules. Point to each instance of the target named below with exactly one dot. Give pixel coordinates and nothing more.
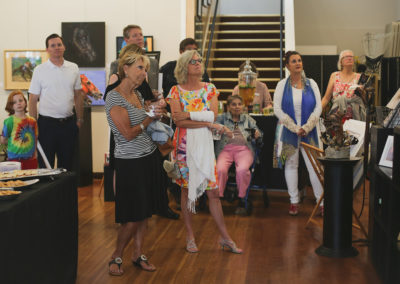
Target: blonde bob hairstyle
(341, 55)
(181, 69)
(130, 58)
(131, 48)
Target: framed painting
(155, 55)
(19, 66)
(85, 43)
(148, 44)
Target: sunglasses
(194, 61)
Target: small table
(39, 233)
(338, 206)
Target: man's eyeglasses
(194, 61)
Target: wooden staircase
(238, 37)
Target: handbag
(171, 167)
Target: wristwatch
(142, 126)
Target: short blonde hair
(181, 69)
(339, 63)
(131, 48)
(130, 58)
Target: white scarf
(199, 157)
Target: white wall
(238, 7)
(342, 22)
(25, 24)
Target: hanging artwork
(93, 85)
(84, 43)
(19, 65)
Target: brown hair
(51, 37)
(10, 102)
(186, 42)
(289, 54)
(128, 28)
(231, 98)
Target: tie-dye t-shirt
(22, 135)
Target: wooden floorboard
(277, 247)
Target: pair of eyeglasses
(194, 61)
(235, 125)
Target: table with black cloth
(39, 233)
(265, 174)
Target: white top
(297, 98)
(55, 86)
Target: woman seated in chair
(235, 146)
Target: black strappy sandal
(138, 263)
(117, 261)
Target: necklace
(295, 84)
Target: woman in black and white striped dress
(137, 162)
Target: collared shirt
(55, 86)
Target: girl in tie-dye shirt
(20, 132)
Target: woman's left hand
(227, 132)
(179, 116)
(301, 132)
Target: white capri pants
(292, 179)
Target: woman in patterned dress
(341, 87)
(194, 107)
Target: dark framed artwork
(154, 54)
(120, 43)
(84, 43)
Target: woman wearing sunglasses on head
(194, 107)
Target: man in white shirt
(56, 83)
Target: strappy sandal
(143, 258)
(191, 246)
(117, 261)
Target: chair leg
(315, 210)
(359, 225)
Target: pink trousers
(243, 158)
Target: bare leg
(137, 252)
(125, 234)
(216, 212)
(187, 215)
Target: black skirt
(140, 188)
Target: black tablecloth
(265, 174)
(39, 233)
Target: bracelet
(142, 127)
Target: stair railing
(281, 40)
(212, 29)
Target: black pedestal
(85, 168)
(338, 206)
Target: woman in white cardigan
(297, 104)
(194, 107)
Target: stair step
(244, 53)
(239, 27)
(244, 32)
(246, 23)
(248, 44)
(247, 18)
(235, 62)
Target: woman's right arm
(329, 91)
(120, 117)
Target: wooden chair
(313, 153)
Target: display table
(338, 208)
(265, 173)
(39, 233)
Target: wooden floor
(278, 248)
